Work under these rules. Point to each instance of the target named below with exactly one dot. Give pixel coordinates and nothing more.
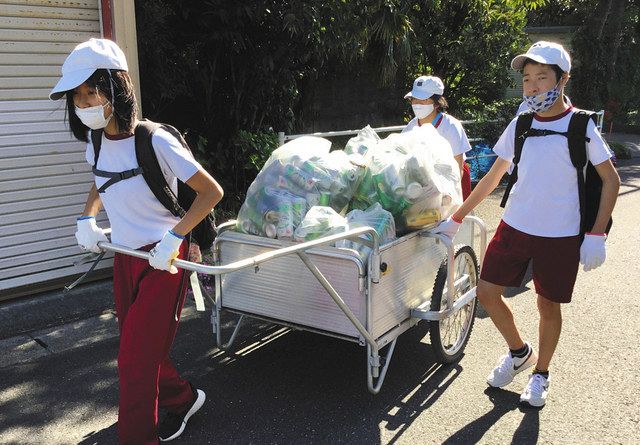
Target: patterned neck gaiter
(542, 102)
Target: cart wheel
(450, 336)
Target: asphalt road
(281, 387)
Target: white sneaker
(509, 367)
(535, 393)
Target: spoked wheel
(450, 335)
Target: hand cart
(370, 301)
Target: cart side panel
(284, 289)
(411, 265)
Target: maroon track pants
(148, 304)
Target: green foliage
(606, 49)
(620, 150)
(491, 121)
(228, 72)
(469, 45)
(246, 155)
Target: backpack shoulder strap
(96, 141)
(151, 170)
(577, 139)
(523, 124)
(578, 136)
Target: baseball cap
(84, 60)
(549, 53)
(424, 87)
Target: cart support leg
(216, 323)
(373, 367)
(338, 300)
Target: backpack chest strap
(538, 132)
(115, 177)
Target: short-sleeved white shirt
(544, 200)
(449, 128)
(137, 217)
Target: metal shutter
(44, 178)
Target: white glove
(448, 227)
(592, 251)
(89, 234)
(167, 250)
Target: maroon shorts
(466, 181)
(554, 262)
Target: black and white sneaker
(173, 424)
(510, 366)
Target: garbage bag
(375, 217)
(320, 221)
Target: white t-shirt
(449, 128)
(137, 217)
(544, 200)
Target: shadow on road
(276, 385)
(102, 437)
(503, 403)
(629, 171)
(285, 386)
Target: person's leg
(555, 267)
(490, 296)
(146, 337)
(505, 264)
(548, 331)
(174, 393)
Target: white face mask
(93, 117)
(422, 111)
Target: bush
(492, 120)
(620, 150)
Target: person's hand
(162, 255)
(592, 251)
(89, 234)
(448, 227)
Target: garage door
(44, 179)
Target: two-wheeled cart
(334, 291)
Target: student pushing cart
(333, 291)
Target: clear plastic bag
(432, 176)
(360, 144)
(320, 221)
(414, 176)
(376, 217)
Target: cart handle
(256, 260)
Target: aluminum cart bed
(316, 287)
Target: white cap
(424, 87)
(84, 60)
(548, 53)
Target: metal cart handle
(352, 234)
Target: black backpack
(204, 233)
(589, 183)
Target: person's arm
(608, 196)
(209, 193)
(93, 204)
(88, 234)
(593, 252)
(483, 188)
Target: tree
(228, 71)
(469, 45)
(606, 50)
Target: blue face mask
(542, 102)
